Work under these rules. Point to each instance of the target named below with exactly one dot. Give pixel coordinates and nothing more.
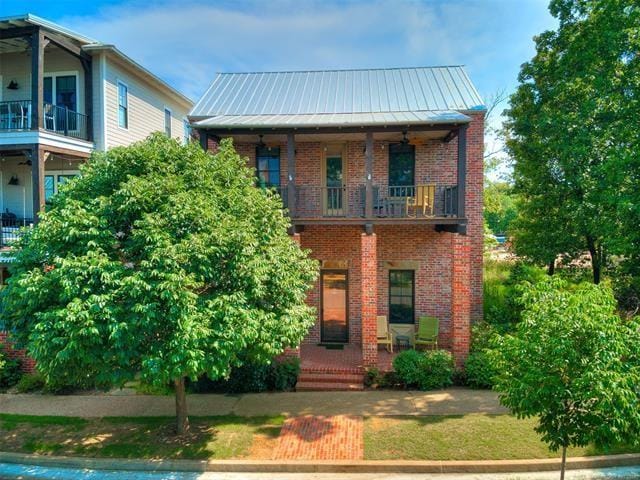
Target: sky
(185, 42)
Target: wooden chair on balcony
(424, 199)
(427, 334)
(384, 335)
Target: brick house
(350, 151)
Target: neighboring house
(62, 96)
(381, 173)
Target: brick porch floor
(319, 359)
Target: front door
(333, 324)
(334, 183)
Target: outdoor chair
(424, 199)
(427, 334)
(384, 335)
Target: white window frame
(56, 174)
(186, 130)
(70, 73)
(125, 85)
(164, 114)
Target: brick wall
(28, 364)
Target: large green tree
(574, 364)
(162, 260)
(572, 131)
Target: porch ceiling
(391, 137)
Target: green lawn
(152, 437)
(457, 437)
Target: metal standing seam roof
(338, 97)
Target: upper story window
(268, 166)
(61, 90)
(123, 105)
(167, 122)
(402, 165)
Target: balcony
(10, 227)
(17, 116)
(390, 204)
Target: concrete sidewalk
(453, 401)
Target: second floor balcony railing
(10, 227)
(16, 115)
(388, 201)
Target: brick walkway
(321, 438)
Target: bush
(31, 382)
(372, 377)
(10, 370)
(426, 371)
(480, 370)
(252, 378)
(283, 375)
(390, 380)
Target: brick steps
(326, 380)
(328, 387)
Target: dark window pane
(268, 166)
(49, 188)
(47, 89)
(402, 161)
(66, 92)
(401, 293)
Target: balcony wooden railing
(16, 115)
(389, 201)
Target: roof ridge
(382, 69)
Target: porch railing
(10, 227)
(389, 201)
(16, 115)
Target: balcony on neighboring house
(16, 115)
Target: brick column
(369, 308)
(461, 297)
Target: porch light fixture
(261, 142)
(405, 140)
(13, 85)
(14, 180)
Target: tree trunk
(564, 461)
(182, 421)
(551, 268)
(595, 250)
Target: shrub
(372, 377)
(31, 382)
(283, 375)
(480, 370)
(426, 371)
(390, 380)
(10, 370)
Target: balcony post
(291, 173)
(87, 66)
(38, 158)
(66, 121)
(368, 173)
(37, 78)
(462, 170)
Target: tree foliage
(159, 259)
(573, 363)
(573, 130)
(499, 206)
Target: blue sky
(186, 42)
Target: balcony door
(334, 325)
(334, 182)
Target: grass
(218, 437)
(461, 437)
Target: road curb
(324, 466)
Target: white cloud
(185, 43)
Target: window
(61, 90)
(268, 166)
(123, 105)
(186, 131)
(402, 165)
(167, 122)
(52, 182)
(401, 294)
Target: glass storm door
(334, 186)
(334, 324)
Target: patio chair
(427, 334)
(424, 198)
(384, 335)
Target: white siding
(17, 66)
(146, 108)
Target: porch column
(369, 301)
(38, 158)
(368, 174)
(291, 174)
(461, 298)
(462, 171)
(87, 66)
(37, 79)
